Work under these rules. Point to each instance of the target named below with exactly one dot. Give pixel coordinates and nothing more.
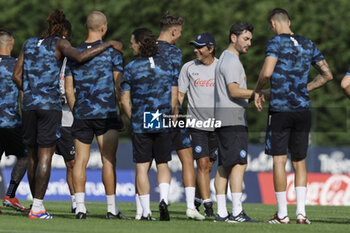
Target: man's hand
(117, 45)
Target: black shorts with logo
(204, 144)
(11, 142)
(147, 146)
(84, 130)
(288, 130)
(65, 146)
(232, 145)
(41, 127)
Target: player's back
(149, 80)
(9, 116)
(41, 71)
(94, 83)
(295, 55)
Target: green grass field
(324, 219)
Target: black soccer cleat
(80, 215)
(208, 209)
(163, 210)
(197, 204)
(243, 217)
(119, 215)
(148, 218)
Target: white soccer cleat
(194, 214)
(138, 216)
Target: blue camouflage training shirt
(41, 71)
(171, 52)
(94, 84)
(295, 55)
(9, 116)
(149, 81)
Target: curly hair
(148, 41)
(57, 21)
(168, 20)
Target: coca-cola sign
(322, 189)
(204, 83)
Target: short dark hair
(238, 28)
(145, 36)
(5, 32)
(168, 20)
(278, 11)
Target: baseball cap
(203, 40)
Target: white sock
(281, 204)
(37, 205)
(190, 193)
(111, 204)
(145, 203)
(79, 199)
(74, 204)
(301, 196)
(207, 200)
(164, 191)
(138, 204)
(236, 203)
(221, 202)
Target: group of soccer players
(97, 84)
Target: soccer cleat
(138, 216)
(163, 210)
(148, 218)
(194, 214)
(197, 204)
(301, 219)
(73, 210)
(80, 215)
(40, 215)
(119, 215)
(277, 220)
(243, 217)
(228, 219)
(13, 203)
(208, 209)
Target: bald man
(94, 106)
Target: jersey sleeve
(183, 79)
(117, 60)
(317, 55)
(67, 70)
(231, 70)
(272, 48)
(125, 85)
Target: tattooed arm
(322, 78)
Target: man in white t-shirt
(197, 80)
(231, 105)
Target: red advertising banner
(322, 189)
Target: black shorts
(204, 144)
(65, 146)
(11, 142)
(288, 130)
(41, 127)
(233, 145)
(147, 146)
(84, 130)
(180, 139)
